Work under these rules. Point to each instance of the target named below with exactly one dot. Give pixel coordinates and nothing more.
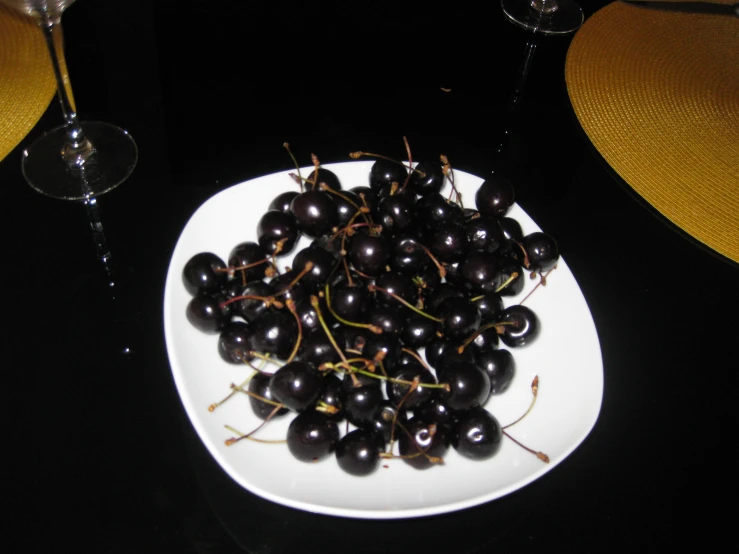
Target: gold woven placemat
(27, 82)
(657, 93)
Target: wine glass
(77, 160)
(549, 17)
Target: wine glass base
(566, 18)
(47, 172)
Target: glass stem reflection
(77, 149)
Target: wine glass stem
(77, 150)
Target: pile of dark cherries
(377, 252)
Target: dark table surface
(99, 453)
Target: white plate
(566, 357)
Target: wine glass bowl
(548, 17)
(76, 160)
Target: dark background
(99, 454)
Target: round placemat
(657, 93)
(27, 82)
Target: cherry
(396, 213)
(233, 343)
(433, 210)
(460, 318)
(346, 207)
(489, 305)
(312, 436)
(469, 386)
(362, 403)
(448, 242)
(437, 411)
(282, 201)
(369, 254)
(259, 385)
(495, 196)
(204, 272)
(386, 343)
(350, 302)
(382, 423)
(331, 396)
(357, 452)
(274, 332)
(520, 326)
(396, 392)
(418, 330)
(422, 440)
(315, 212)
(317, 348)
(204, 311)
(500, 367)
(511, 276)
(385, 172)
(477, 435)
(408, 255)
(323, 264)
(251, 308)
(479, 272)
(542, 251)
(485, 234)
(297, 385)
(325, 176)
(427, 179)
(277, 230)
(247, 253)
(394, 284)
(391, 319)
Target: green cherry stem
(374, 328)
(373, 288)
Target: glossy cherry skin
(323, 264)
(386, 346)
(436, 411)
(448, 242)
(441, 352)
(312, 436)
(397, 284)
(233, 342)
(247, 253)
(331, 396)
(408, 255)
(274, 332)
(347, 206)
(485, 234)
(477, 434)
(369, 254)
(382, 423)
(396, 213)
(542, 251)
(297, 385)
(385, 172)
(325, 176)
(441, 293)
(521, 326)
(282, 201)
(205, 312)
(361, 404)
(357, 452)
(460, 318)
(469, 386)
(204, 272)
(428, 178)
(398, 392)
(315, 212)
(479, 272)
(391, 319)
(418, 330)
(350, 302)
(422, 441)
(277, 228)
(259, 385)
(317, 348)
(434, 209)
(500, 365)
(490, 305)
(285, 287)
(495, 196)
(251, 308)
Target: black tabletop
(100, 455)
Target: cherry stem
(364, 211)
(508, 281)
(534, 392)
(407, 304)
(268, 300)
(421, 451)
(322, 321)
(414, 386)
(374, 328)
(449, 173)
(359, 154)
(354, 370)
(316, 165)
(266, 441)
(543, 457)
(417, 357)
(442, 270)
(542, 281)
(294, 311)
(234, 390)
(274, 411)
(295, 162)
(476, 334)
